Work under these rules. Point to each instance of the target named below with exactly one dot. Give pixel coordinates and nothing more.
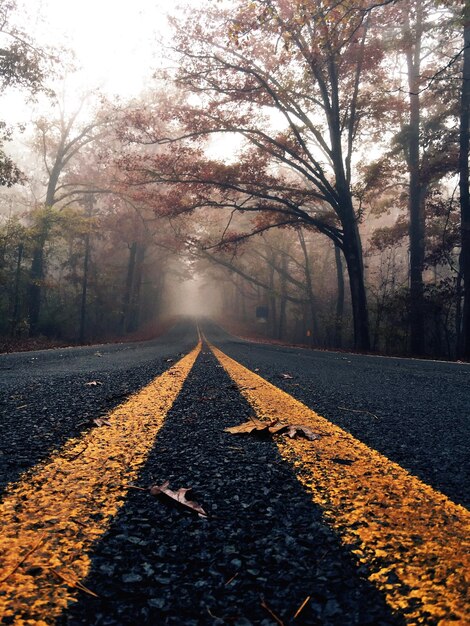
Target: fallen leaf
(253, 425)
(101, 421)
(294, 430)
(273, 428)
(178, 496)
(277, 427)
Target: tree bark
(352, 250)
(272, 319)
(16, 294)
(464, 185)
(314, 330)
(134, 316)
(83, 302)
(416, 189)
(283, 302)
(36, 277)
(127, 296)
(86, 261)
(339, 298)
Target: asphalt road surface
(361, 526)
(415, 412)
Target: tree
(428, 137)
(413, 50)
(296, 82)
(22, 65)
(59, 141)
(464, 145)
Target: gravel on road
(264, 541)
(415, 412)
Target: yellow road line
(50, 515)
(413, 540)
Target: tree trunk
(339, 299)
(416, 191)
(464, 185)
(283, 302)
(126, 300)
(16, 294)
(134, 316)
(314, 330)
(86, 260)
(37, 264)
(352, 250)
(36, 277)
(272, 317)
(352, 245)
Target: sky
(116, 44)
(115, 41)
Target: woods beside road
(291, 527)
(300, 170)
(309, 159)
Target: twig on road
(277, 619)
(231, 579)
(73, 583)
(345, 408)
(301, 607)
(21, 561)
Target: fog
(195, 298)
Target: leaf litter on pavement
(101, 421)
(274, 427)
(178, 496)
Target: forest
(303, 164)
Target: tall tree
(60, 141)
(413, 35)
(464, 182)
(295, 81)
(24, 65)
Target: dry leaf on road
(273, 428)
(294, 430)
(253, 425)
(178, 496)
(101, 421)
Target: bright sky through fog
(115, 41)
(117, 46)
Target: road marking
(54, 514)
(413, 540)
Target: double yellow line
(413, 540)
(48, 519)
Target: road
(361, 526)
